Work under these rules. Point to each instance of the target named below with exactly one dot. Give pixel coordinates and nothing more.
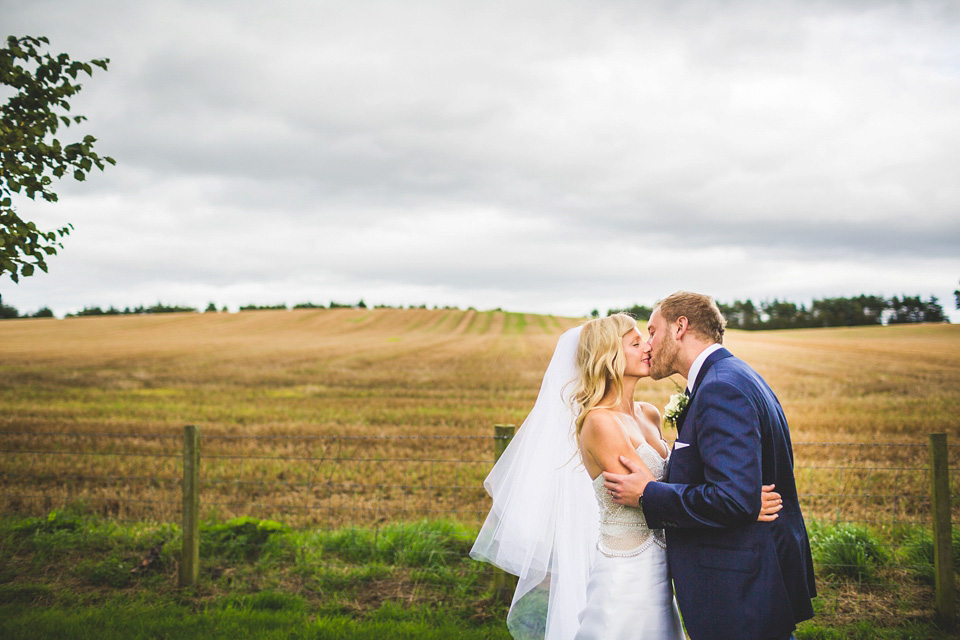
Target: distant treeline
(6, 311)
(333, 305)
(128, 311)
(828, 312)
(775, 314)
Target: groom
(734, 577)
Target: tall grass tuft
(272, 600)
(423, 544)
(848, 551)
(351, 544)
(239, 538)
(916, 552)
(410, 544)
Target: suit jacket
(734, 577)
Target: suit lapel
(712, 359)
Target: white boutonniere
(674, 408)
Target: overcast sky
(547, 157)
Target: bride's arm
(603, 441)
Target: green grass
(849, 551)
(866, 630)
(69, 576)
(133, 621)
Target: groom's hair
(702, 314)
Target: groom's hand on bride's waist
(626, 488)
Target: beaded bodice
(623, 530)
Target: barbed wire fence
(336, 481)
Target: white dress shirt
(698, 364)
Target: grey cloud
(301, 134)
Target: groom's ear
(681, 327)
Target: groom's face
(663, 347)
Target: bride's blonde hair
(600, 364)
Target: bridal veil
(543, 524)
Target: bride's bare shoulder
(649, 411)
(599, 423)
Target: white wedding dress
(628, 592)
(583, 571)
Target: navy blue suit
(734, 577)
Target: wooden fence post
(504, 584)
(942, 551)
(190, 555)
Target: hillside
(425, 371)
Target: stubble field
(357, 416)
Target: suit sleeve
(728, 441)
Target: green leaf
(37, 104)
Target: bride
(587, 568)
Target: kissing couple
(603, 523)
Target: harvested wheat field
(359, 415)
